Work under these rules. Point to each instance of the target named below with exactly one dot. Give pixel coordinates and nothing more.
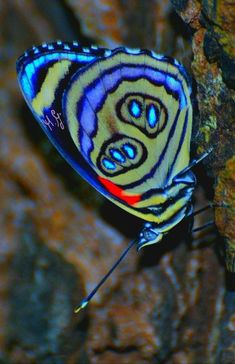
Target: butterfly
(122, 118)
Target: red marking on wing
(119, 192)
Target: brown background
(172, 303)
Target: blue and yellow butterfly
(123, 119)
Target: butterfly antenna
(86, 300)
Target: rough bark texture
(173, 303)
(214, 71)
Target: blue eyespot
(152, 114)
(117, 155)
(135, 108)
(108, 164)
(129, 150)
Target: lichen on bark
(213, 69)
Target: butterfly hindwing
(121, 118)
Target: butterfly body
(122, 118)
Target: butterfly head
(148, 236)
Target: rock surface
(171, 304)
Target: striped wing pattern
(122, 118)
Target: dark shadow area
(129, 225)
(230, 281)
(180, 27)
(182, 31)
(203, 179)
(151, 255)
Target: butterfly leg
(202, 227)
(196, 238)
